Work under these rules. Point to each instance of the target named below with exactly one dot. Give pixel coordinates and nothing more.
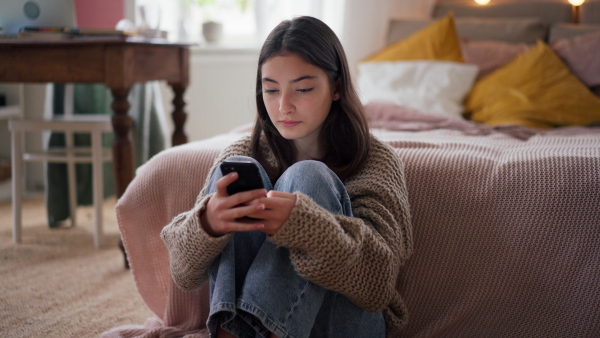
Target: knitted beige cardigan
(358, 256)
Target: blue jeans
(254, 288)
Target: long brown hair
(345, 134)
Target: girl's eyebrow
(301, 78)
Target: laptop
(15, 14)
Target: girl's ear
(336, 89)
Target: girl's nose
(285, 105)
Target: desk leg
(123, 154)
(179, 116)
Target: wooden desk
(116, 62)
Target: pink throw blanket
(394, 117)
(507, 232)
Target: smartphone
(248, 176)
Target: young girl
(317, 252)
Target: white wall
(221, 97)
(366, 23)
(221, 92)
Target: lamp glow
(576, 2)
(485, 2)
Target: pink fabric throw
(395, 117)
(390, 116)
(166, 186)
(507, 233)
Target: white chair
(93, 124)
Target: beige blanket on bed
(507, 233)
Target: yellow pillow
(537, 90)
(437, 41)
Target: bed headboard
(509, 22)
(548, 13)
(590, 13)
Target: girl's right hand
(226, 213)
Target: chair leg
(97, 174)
(17, 183)
(71, 179)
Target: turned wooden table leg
(179, 116)
(123, 152)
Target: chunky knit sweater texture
(358, 256)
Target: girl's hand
(226, 213)
(277, 209)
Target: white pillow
(435, 87)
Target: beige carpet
(56, 284)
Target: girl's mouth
(289, 123)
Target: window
(245, 22)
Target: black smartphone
(248, 176)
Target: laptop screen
(15, 14)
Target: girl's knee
(309, 166)
(306, 176)
(315, 179)
(309, 171)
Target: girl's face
(298, 96)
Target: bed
(506, 211)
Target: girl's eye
(270, 91)
(305, 90)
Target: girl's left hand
(278, 207)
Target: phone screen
(248, 176)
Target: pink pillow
(582, 55)
(490, 55)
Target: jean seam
(223, 308)
(259, 313)
(296, 303)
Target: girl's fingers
(241, 211)
(223, 182)
(278, 207)
(268, 211)
(276, 200)
(280, 194)
(244, 226)
(222, 210)
(246, 197)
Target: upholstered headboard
(548, 13)
(590, 13)
(508, 22)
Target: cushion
(582, 55)
(536, 90)
(437, 41)
(490, 55)
(435, 87)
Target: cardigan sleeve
(358, 256)
(191, 249)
